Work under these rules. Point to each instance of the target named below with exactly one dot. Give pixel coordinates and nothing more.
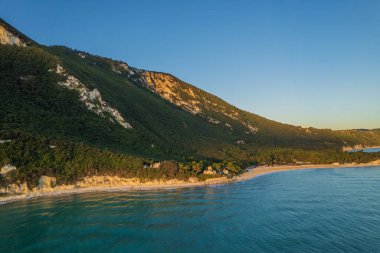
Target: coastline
(358, 148)
(263, 170)
(251, 173)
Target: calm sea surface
(371, 150)
(367, 150)
(325, 210)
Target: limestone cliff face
(48, 184)
(11, 36)
(354, 147)
(6, 37)
(193, 100)
(171, 89)
(91, 98)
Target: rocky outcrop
(168, 87)
(46, 183)
(15, 189)
(120, 68)
(91, 98)
(240, 142)
(354, 147)
(377, 162)
(7, 168)
(113, 181)
(6, 37)
(214, 121)
(251, 128)
(189, 98)
(219, 180)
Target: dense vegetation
(31, 100)
(68, 161)
(195, 132)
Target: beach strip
(250, 173)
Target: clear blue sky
(310, 63)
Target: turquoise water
(371, 150)
(367, 150)
(325, 210)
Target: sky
(307, 63)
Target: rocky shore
(47, 186)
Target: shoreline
(358, 148)
(263, 170)
(252, 172)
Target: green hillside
(216, 125)
(104, 105)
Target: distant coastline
(359, 148)
(262, 170)
(132, 184)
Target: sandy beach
(132, 184)
(262, 170)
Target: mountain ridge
(97, 79)
(10, 35)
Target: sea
(366, 150)
(313, 210)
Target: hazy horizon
(302, 63)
